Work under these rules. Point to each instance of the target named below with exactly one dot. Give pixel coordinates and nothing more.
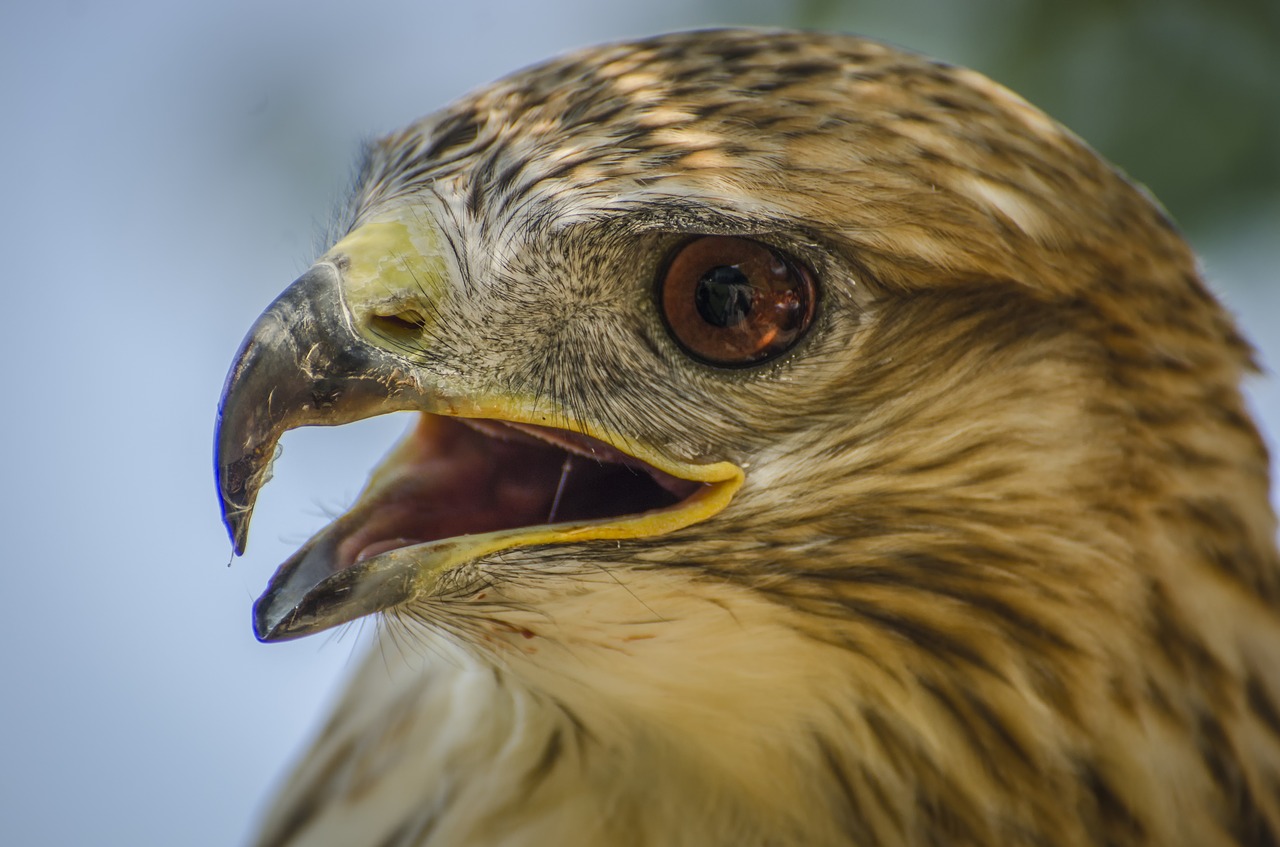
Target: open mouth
(455, 477)
(456, 489)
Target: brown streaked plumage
(1001, 568)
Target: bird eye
(734, 302)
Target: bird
(816, 444)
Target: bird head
(767, 375)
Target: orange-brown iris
(733, 301)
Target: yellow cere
(390, 263)
(435, 558)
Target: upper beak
(301, 364)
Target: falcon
(817, 445)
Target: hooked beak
(304, 364)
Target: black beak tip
(262, 628)
(235, 518)
(269, 627)
(239, 536)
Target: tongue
(445, 480)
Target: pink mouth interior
(460, 477)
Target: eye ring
(735, 302)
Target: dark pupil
(723, 296)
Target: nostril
(405, 321)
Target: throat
(432, 738)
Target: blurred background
(165, 167)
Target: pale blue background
(163, 167)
